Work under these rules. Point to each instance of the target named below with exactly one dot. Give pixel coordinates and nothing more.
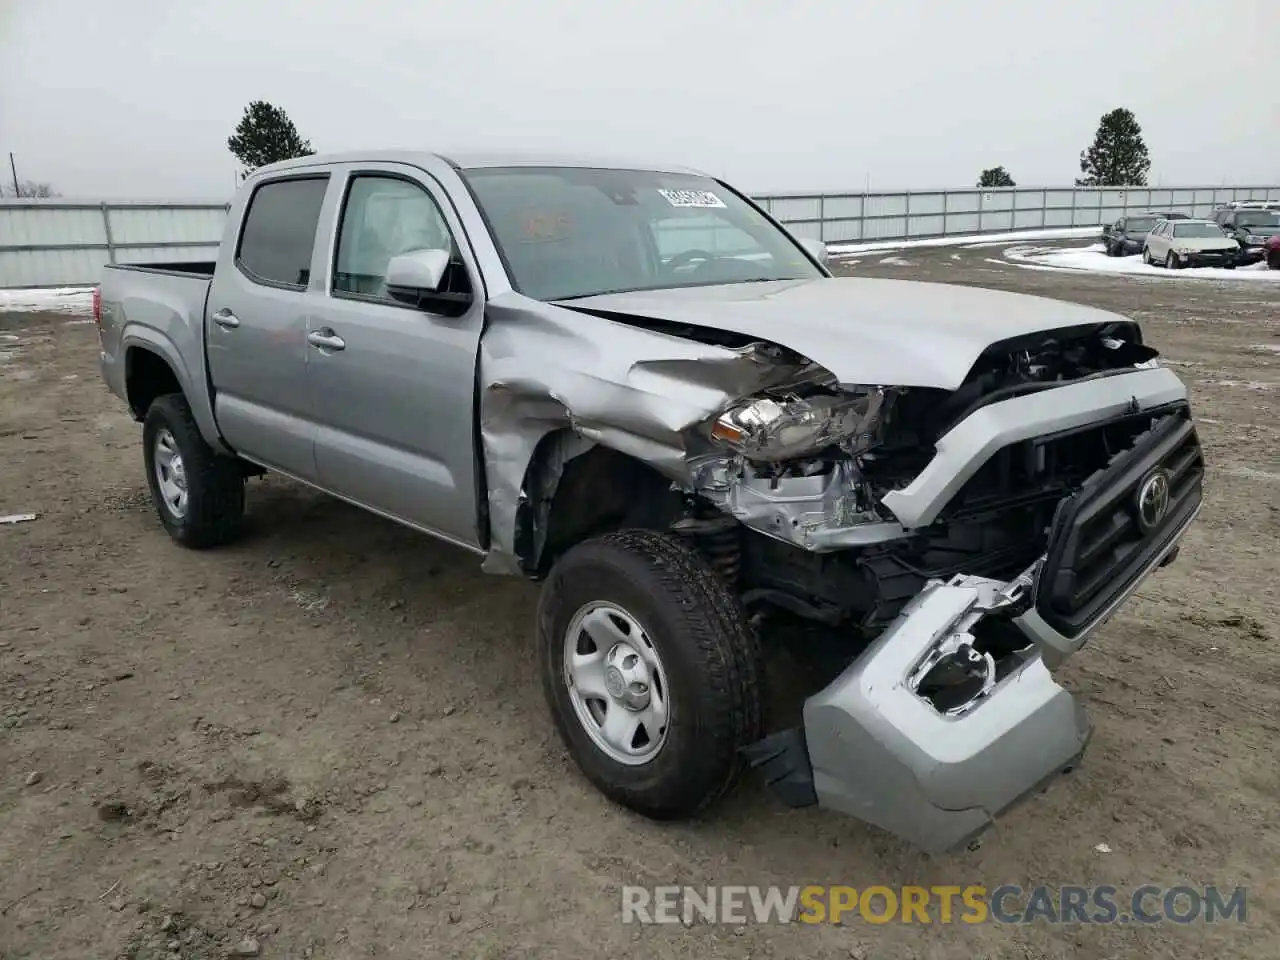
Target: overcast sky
(136, 98)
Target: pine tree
(996, 177)
(265, 134)
(1118, 155)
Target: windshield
(1197, 230)
(1139, 224)
(1259, 218)
(569, 232)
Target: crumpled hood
(890, 332)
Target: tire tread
(711, 619)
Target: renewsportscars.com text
(941, 904)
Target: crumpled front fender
(544, 368)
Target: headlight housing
(1254, 238)
(772, 429)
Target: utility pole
(14, 169)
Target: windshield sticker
(692, 198)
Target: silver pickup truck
(633, 385)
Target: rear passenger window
(280, 231)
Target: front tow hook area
(880, 744)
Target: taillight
(97, 305)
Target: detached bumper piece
(951, 716)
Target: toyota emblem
(1153, 500)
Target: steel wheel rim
(171, 474)
(616, 683)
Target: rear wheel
(198, 494)
(652, 675)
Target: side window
(384, 217)
(701, 233)
(279, 231)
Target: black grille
(1042, 470)
(1098, 544)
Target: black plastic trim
(783, 759)
(1105, 497)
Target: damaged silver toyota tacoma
(634, 386)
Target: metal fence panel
(53, 267)
(67, 242)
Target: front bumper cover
(873, 747)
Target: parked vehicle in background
(1189, 243)
(1168, 215)
(1273, 253)
(1251, 228)
(1125, 236)
(633, 385)
(1252, 205)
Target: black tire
(1172, 261)
(215, 484)
(1110, 248)
(711, 659)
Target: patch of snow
(1247, 384)
(956, 256)
(75, 300)
(1265, 347)
(1094, 260)
(970, 239)
(896, 261)
(1252, 473)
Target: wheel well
(597, 492)
(147, 376)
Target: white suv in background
(1190, 243)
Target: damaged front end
(977, 538)
(958, 541)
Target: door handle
(325, 339)
(225, 318)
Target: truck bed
(158, 308)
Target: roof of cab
(475, 161)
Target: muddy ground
(328, 738)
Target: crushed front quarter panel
(544, 368)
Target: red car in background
(1273, 253)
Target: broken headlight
(773, 429)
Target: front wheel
(653, 677)
(198, 494)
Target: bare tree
(28, 190)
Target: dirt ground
(329, 737)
